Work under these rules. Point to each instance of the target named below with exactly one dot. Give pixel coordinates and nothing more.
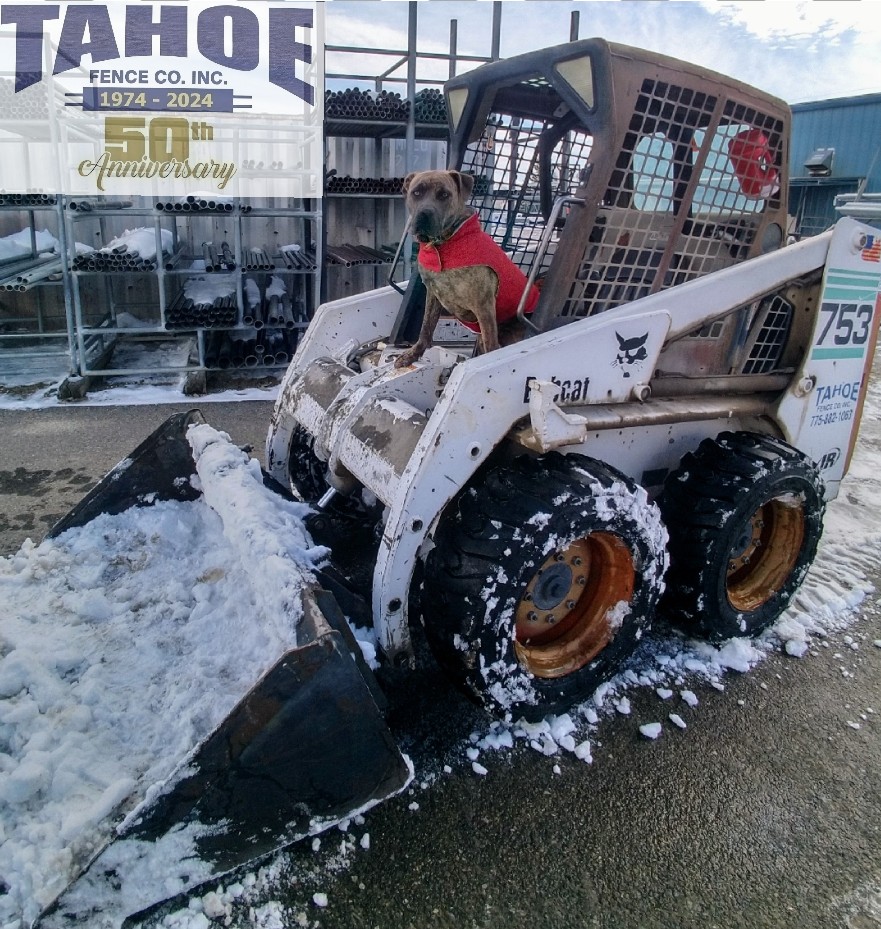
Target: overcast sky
(798, 51)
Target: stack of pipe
(430, 106)
(22, 275)
(135, 250)
(349, 255)
(250, 348)
(217, 259)
(197, 204)
(273, 307)
(119, 258)
(25, 200)
(352, 103)
(364, 185)
(185, 313)
(297, 259)
(87, 206)
(257, 259)
(29, 105)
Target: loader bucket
(305, 748)
(160, 468)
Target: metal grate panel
(769, 334)
(683, 174)
(506, 162)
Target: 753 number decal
(845, 324)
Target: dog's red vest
(470, 245)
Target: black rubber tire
(745, 516)
(307, 475)
(306, 472)
(491, 575)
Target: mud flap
(304, 749)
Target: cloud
(795, 50)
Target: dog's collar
(447, 233)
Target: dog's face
(436, 200)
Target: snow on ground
(109, 589)
(147, 394)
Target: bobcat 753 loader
(664, 440)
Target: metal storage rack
(220, 284)
(36, 319)
(124, 319)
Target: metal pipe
(497, 30)
(454, 30)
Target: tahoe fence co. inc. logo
(142, 98)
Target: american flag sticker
(871, 251)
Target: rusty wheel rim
(762, 559)
(567, 613)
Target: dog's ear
(408, 180)
(465, 183)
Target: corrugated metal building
(836, 144)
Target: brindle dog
(437, 205)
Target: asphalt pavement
(765, 811)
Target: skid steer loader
(663, 441)
(666, 438)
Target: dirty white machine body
(414, 437)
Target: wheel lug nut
(532, 616)
(570, 604)
(559, 557)
(550, 619)
(577, 561)
(527, 597)
(581, 580)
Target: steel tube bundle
(86, 206)
(352, 103)
(30, 105)
(26, 200)
(297, 260)
(184, 313)
(349, 255)
(194, 205)
(257, 259)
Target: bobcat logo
(630, 351)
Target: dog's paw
(411, 355)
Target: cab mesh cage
(693, 175)
(684, 199)
(514, 157)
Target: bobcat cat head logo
(630, 351)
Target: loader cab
(674, 171)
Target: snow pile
(18, 245)
(205, 290)
(124, 644)
(141, 241)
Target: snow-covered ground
(92, 588)
(153, 392)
